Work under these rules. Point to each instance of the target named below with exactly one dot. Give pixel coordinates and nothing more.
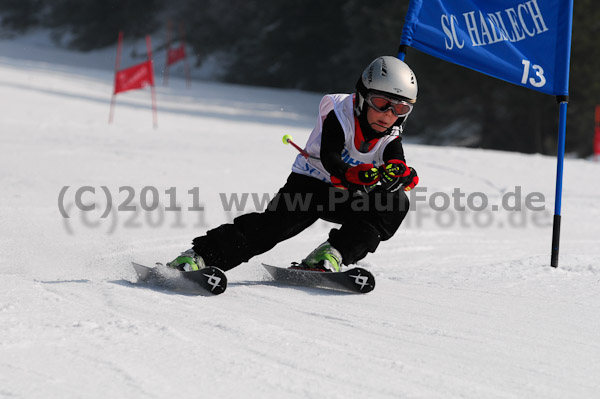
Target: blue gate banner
(527, 43)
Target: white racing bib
(343, 106)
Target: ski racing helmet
(390, 77)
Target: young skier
(354, 175)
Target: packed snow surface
(466, 305)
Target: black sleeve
(394, 150)
(332, 145)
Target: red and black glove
(365, 174)
(395, 173)
(338, 183)
(409, 182)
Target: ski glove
(409, 182)
(357, 177)
(395, 173)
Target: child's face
(380, 121)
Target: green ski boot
(188, 261)
(324, 257)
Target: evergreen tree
(323, 46)
(93, 24)
(20, 15)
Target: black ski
(210, 279)
(354, 280)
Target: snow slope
(466, 305)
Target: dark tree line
(89, 24)
(323, 45)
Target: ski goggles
(381, 103)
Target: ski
(355, 279)
(209, 279)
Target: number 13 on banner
(539, 72)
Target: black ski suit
(366, 219)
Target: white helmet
(389, 76)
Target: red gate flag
(176, 54)
(135, 77)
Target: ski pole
(287, 139)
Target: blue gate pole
(402, 52)
(562, 131)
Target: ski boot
(325, 258)
(188, 261)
